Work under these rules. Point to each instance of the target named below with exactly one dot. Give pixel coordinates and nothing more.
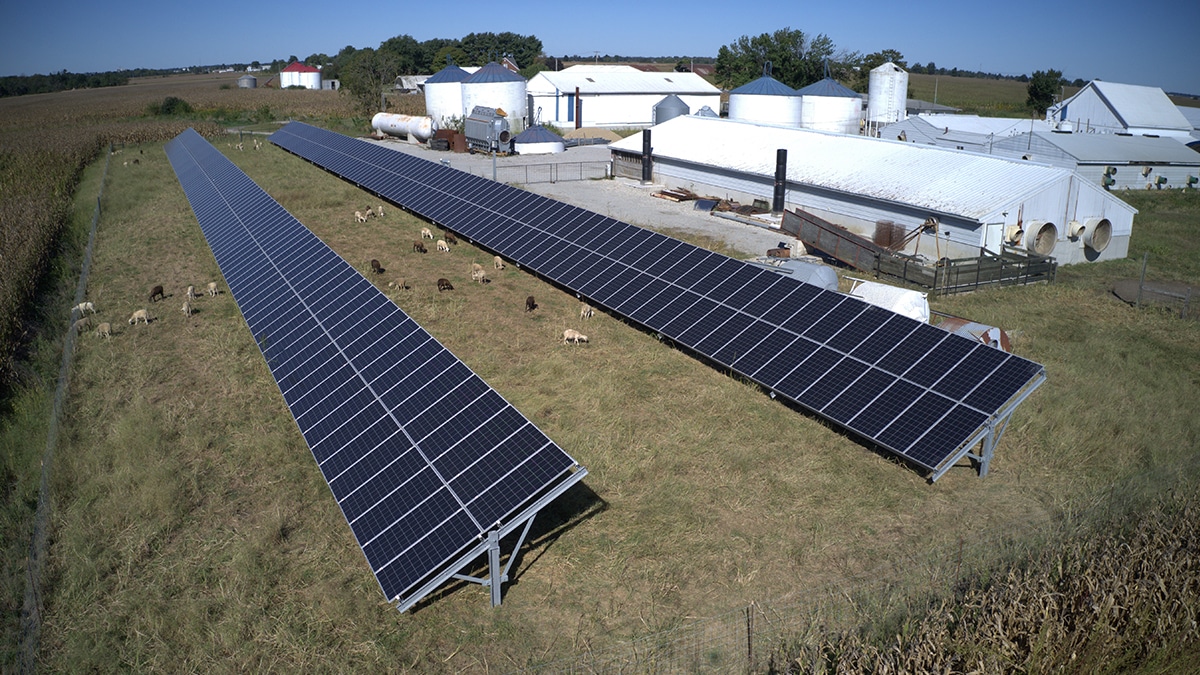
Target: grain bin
(668, 109)
(247, 82)
(495, 86)
(765, 101)
(538, 140)
(887, 100)
(443, 96)
(829, 106)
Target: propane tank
(414, 127)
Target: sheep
(187, 308)
(451, 239)
(476, 267)
(573, 336)
(498, 262)
(81, 324)
(212, 289)
(444, 285)
(441, 246)
(84, 307)
(398, 285)
(530, 304)
(418, 247)
(479, 275)
(359, 217)
(257, 144)
(586, 312)
(157, 292)
(380, 210)
(375, 267)
(369, 212)
(104, 330)
(426, 234)
(142, 316)
(191, 293)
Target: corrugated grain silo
(444, 96)
(887, 94)
(495, 86)
(829, 106)
(247, 82)
(668, 109)
(765, 101)
(538, 140)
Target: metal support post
(494, 566)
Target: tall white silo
(887, 94)
(765, 101)
(829, 106)
(443, 95)
(495, 86)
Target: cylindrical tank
(247, 82)
(887, 98)
(668, 109)
(443, 96)
(420, 128)
(829, 106)
(765, 101)
(495, 86)
(538, 140)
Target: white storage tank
(765, 101)
(299, 75)
(887, 94)
(495, 86)
(538, 140)
(829, 106)
(443, 96)
(415, 128)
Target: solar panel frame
(922, 368)
(429, 465)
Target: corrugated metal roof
(493, 73)
(964, 184)
(1111, 148)
(450, 73)
(1192, 115)
(765, 86)
(621, 80)
(974, 124)
(538, 134)
(1137, 106)
(827, 87)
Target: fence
(1172, 295)
(527, 174)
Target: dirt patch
(1157, 293)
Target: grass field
(192, 530)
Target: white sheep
(476, 267)
(239, 146)
(257, 144)
(187, 308)
(479, 275)
(212, 289)
(573, 336)
(498, 262)
(140, 316)
(84, 307)
(359, 217)
(426, 234)
(191, 293)
(380, 214)
(443, 246)
(104, 330)
(586, 312)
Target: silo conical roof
(827, 87)
(538, 134)
(493, 72)
(765, 86)
(450, 73)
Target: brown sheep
(530, 304)
(418, 247)
(450, 239)
(375, 267)
(157, 292)
(444, 285)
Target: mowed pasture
(193, 531)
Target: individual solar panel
(424, 459)
(923, 393)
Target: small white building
(299, 75)
(1113, 108)
(1113, 161)
(611, 96)
(979, 201)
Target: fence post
(750, 638)
(1142, 280)
(1187, 301)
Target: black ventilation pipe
(780, 180)
(578, 110)
(646, 161)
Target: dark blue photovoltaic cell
(882, 374)
(421, 455)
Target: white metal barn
(299, 75)
(980, 201)
(1112, 108)
(1116, 162)
(959, 132)
(611, 96)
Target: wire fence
(31, 612)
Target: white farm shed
(980, 201)
(959, 132)
(1114, 161)
(1113, 108)
(611, 96)
(299, 75)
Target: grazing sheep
(375, 267)
(212, 289)
(441, 246)
(498, 262)
(380, 210)
(191, 293)
(451, 239)
(257, 144)
(479, 275)
(476, 267)
(239, 146)
(84, 307)
(81, 324)
(426, 234)
(418, 247)
(586, 312)
(444, 285)
(104, 330)
(157, 292)
(530, 304)
(398, 285)
(573, 336)
(187, 308)
(359, 217)
(369, 212)
(142, 316)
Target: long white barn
(980, 201)
(611, 96)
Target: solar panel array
(423, 457)
(916, 390)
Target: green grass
(989, 98)
(194, 532)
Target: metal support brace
(494, 566)
(497, 575)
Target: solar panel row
(921, 392)
(423, 457)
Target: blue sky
(1120, 42)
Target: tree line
(19, 85)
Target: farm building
(299, 75)
(1192, 115)
(1112, 108)
(979, 201)
(1114, 161)
(611, 96)
(959, 132)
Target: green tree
(481, 48)
(1042, 87)
(365, 75)
(795, 59)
